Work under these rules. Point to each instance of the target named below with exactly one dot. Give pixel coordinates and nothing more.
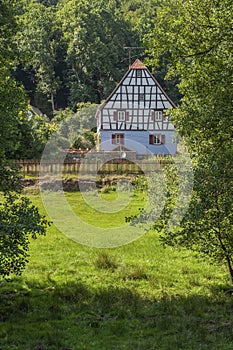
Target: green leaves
(197, 36)
(77, 129)
(13, 100)
(18, 218)
(72, 52)
(38, 39)
(18, 221)
(95, 35)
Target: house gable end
(137, 108)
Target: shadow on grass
(74, 316)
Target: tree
(19, 219)
(95, 33)
(141, 16)
(79, 128)
(32, 134)
(196, 36)
(39, 38)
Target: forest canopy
(74, 51)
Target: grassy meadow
(139, 296)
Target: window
(156, 139)
(138, 73)
(121, 116)
(141, 97)
(158, 115)
(118, 139)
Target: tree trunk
(230, 267)
(228, 259)
(52, 102)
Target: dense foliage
(74, 51)
(196, 35)
(19, 219)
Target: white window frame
(158, 116)
(118, 139)
(157, 139)
(121, 116)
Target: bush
(19, 220)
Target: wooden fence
(119, 166)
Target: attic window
(141, 97)
(138, 73)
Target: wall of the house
(138, 119)
(139, 141)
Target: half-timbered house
(134, 115)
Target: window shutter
(151, 139)
(127, 116)
(164, 116)
(152, 116)
(122, 139)
(114, 139)
(163, 139)
(115, 116)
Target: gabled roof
(137, 65)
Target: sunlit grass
(83, 208)
(138, 296)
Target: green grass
(93, 217)
(135, 297)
